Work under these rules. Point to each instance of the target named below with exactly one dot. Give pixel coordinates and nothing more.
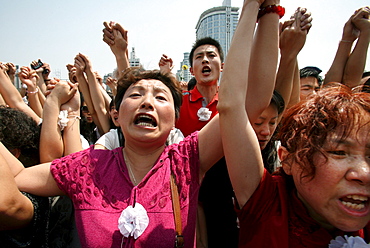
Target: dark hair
(135, 74)
(191, 84)
(19, 131)
(111, 123)
(306, 125)
(88, 130)
(366, 86)
(206, 41)
(366, 74)
(269, 153)
(311, 71)
(85, 108)
(278, 100)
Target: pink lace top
(98, 183)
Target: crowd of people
(251, 152)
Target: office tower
(133, 60)
(183, 74)
(219, 23)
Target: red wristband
(278, 9)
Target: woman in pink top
(134, 180)
(122, 197)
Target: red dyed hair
(305, 126)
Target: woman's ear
(283, 156)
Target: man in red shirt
(198, 108)
(199, 105)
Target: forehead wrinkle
(160, 88)
(140, 87)
(156, 88)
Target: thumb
(123, 31)
(74, 89)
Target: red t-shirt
(192, 101)
(275, 217)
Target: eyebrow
(337, 142)
(206, 52)
(264, 118)
(307, 85)
(156, 88)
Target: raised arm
(96, 96)
(12, 96)
(165, 64)
(240, 144)
(12, 69)
(72, 73)
(43, 71)
(107, 98)
(55, 120)
(116, 37)
(84, 87)
(336, 70)
(264, 56)
(357, 60)
(292, 39)
(71, 134)
(112, 83)
(29, 77)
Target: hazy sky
(56, 31)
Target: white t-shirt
(110, 140)
(84, 142)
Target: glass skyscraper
(219, 23)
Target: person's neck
(142, 159)
(314, 215)
(208, 91)
(139, 162)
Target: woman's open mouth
(145, 120)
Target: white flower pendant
(204, 114)
(133, 221)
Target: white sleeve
(109, 140)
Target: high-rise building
(133, 60)
(219, 23)
(184, 74)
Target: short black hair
(366, 74)
(191, 84)
(311, 71)
(19, 131)
(278, 100)
(206, 41)
(366, 86)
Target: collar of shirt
(194, 95)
